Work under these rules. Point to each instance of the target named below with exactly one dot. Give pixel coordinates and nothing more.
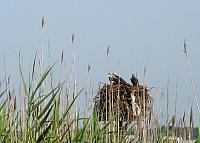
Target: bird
(134, 80)
(115, 79)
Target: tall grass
(47, 110)
(38, 117)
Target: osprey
(134, 80)
(115, 79)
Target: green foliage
(198, 140)
(42, 114)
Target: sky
(141, 34)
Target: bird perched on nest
(115, 79)
(134, 80)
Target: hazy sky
(140, 33)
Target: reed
(47, 110)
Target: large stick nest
(129, 101)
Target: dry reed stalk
(7, 84)
(61, 77)
(41, 47)
(109, 116)
(191, 124)
(144, 104)
(190, 74)
(118, 121)
(40, 58)
(167, 120)
(87, 90)
(107, 55)
(75, 85)
(176, 103)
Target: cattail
(185, 47)
(191, 119)
(15, 102)
(73, 38)
(43, 22)
(108, 49)
(173, 120)
(62, 55)
(184, 119)
(89, 68)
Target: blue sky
(140, 33)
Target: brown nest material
(120, 97)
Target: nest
(129, 101)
